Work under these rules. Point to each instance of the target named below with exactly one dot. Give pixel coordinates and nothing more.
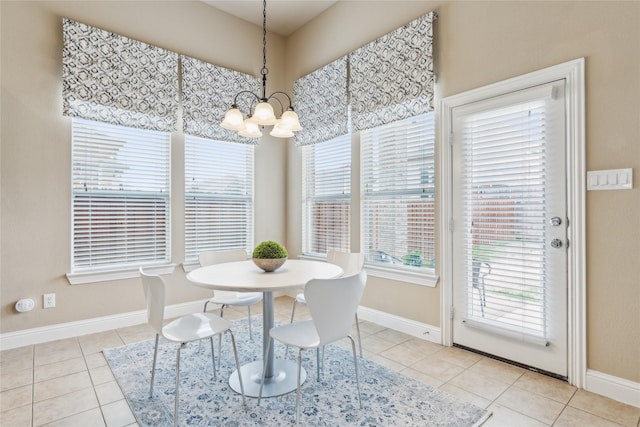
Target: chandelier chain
(263, 114)
(264, 70)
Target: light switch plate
(613, 179)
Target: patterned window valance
(207, 92)
(392, 77)
(320, 99)
(117, 80)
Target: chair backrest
(154, 292)
(333, 304)
(218, 257)
(351, 262)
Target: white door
(509, 227)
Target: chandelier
(263, 114)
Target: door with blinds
(509, 227)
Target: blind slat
(326, 196)
(398, 192)
(121, 205)
(218, 196)
(504, 172)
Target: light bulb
(233, 119)
(263, 114)
(251, 130)
(279, 132)
(290, 121)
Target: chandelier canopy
(263, 113)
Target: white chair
(185, 329)
(351, 263)
(332, 303)
(227, 298)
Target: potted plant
(413, 259)
(269, 255)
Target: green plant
(414, 259)
(269, 249)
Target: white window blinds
(120, 180)
(504, 183)
(218, 196)
(326, 196)
(397, 186)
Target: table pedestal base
(283, 381)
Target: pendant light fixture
(263, 114)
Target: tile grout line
(95, 392)
(33, 382)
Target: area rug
(389, 398)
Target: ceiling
(283, 16)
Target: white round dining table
(245, 276)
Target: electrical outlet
(49, 300)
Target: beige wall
(476, 43)
(36, 150)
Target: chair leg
(298, 392)
(235, 354)
(318, 361)
(153, 367)
(177, 400)
(220, 337)
(355, 363)
(205, 305)
(359, 339)
(249, 315)
(293, 313)
(213, 359)
(264, 370)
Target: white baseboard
(401, 324)
(619, 389)
(90, 326)
(615, 388)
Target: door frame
(573, 73)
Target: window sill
(116, 274)
(415, 277)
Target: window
(326, 195)
(397, 201)
(219, 196)
(120, 186)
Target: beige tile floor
(68, 382)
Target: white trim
(117, 274)
(619, 389)
(402, 275)
(401, 324)
(397, 323)
(573, 74)
(616, 388)
(89, 326)
(415, 277)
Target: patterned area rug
(389, 398)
